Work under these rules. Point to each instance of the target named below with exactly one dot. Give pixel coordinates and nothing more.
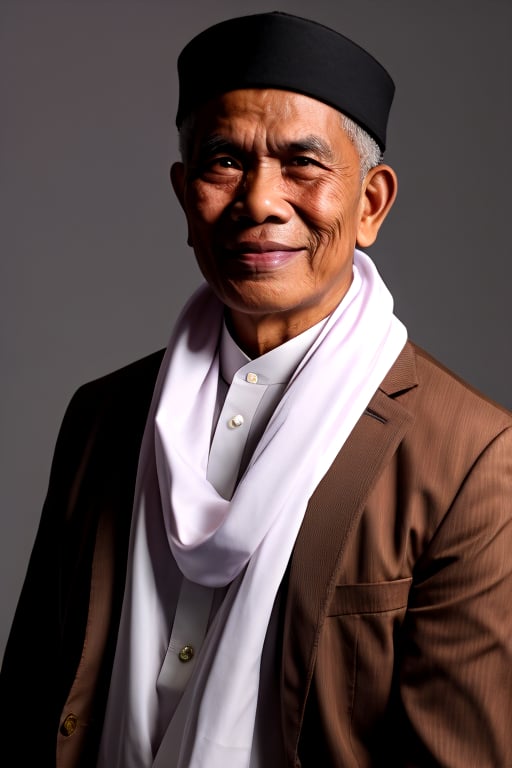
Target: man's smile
(263, 256)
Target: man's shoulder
(435, 372)
(103, 425)
(128, 382)
(441, 394)
(118, 400)
(136, 372)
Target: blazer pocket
(377, 597)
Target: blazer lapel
(332, 512)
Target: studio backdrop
(94, 265)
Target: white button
(252, 378)
(236, 421)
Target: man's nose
(261, 198)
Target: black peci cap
(279, 50)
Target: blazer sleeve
(455, 676)
(92, 475)
(36, 665)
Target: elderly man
(287, 540)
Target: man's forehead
(281, 51)
(282, 120)
(265, 104)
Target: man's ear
(378, 195)
(178, 182)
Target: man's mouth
(263, 256)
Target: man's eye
(223, 162)
(222, 167)
(301, 161)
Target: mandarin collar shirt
(247, 395)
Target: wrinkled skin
(274, 203)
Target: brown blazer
(396, 620)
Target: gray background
(94, 265)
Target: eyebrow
(307, 144)
(216, 143)
(313, 144)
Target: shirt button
(69, 725)
(186, 653)
(252, 378)
(236, 421)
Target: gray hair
(367, 148)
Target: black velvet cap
(279, 50)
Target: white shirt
(248, 392)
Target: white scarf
(247, 540)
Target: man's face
(272, 194)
